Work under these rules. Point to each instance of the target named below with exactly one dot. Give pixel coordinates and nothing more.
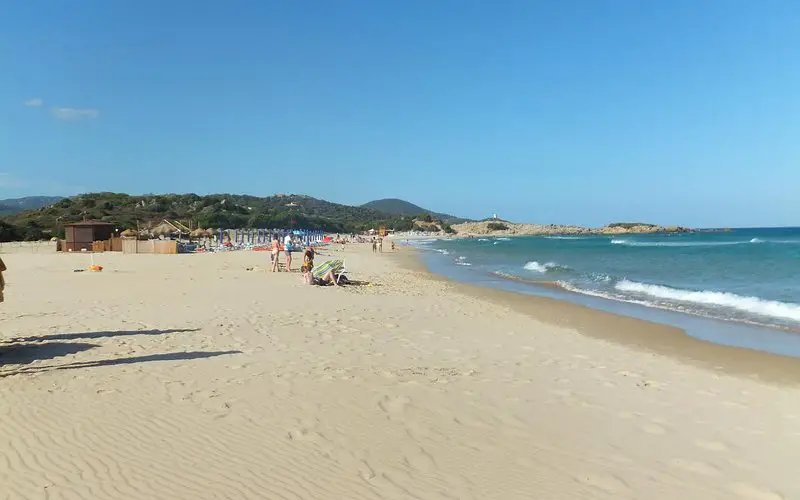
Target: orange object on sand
(95, 268)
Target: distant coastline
(505, 228)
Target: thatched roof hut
(129, 233)
(163, 229)
(200, 233)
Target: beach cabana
(81, 235)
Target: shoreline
(647, 337)
(401, 386)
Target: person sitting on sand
(327, 279)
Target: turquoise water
(745, 276)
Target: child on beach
(308, 278)
(308, 258)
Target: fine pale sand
(190, 377)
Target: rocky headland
(505, 228)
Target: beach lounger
(336, 266)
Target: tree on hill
(212, 211)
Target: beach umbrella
(162, 229)
(321, 270)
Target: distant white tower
(494, 216)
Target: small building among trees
(81, 235)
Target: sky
(582, 112)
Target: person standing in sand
(308, 257)
(274, 252)
(374, 245)
(2, 281)
(287, 250)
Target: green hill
(15, 205)
(211, 211)
(394, 206)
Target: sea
(737, 287)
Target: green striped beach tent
(336, 265)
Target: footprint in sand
(604, 482)
(419, 459)
(752, 492)
(654, 429)
(702, 468)
(711, 445)
(394, 405)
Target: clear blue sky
(678, 111)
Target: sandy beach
(192, 377)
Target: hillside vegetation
(212, 211)
(15, 205)
(397, 207)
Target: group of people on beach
(306, 268)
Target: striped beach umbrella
(321, 270)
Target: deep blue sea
(744, 276)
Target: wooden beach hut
(81, 235)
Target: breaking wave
(543, 268)
(752, 305)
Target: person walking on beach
(274, 252)
(380, 244)
(287, 250)
(374, 245)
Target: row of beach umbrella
(165, 230)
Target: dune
(190, 377)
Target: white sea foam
(540, 268)
(441, 251)
(462, 263)
(567, 237)
(752, 305)
(503, 239)
(482, 239)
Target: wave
(441, 251)
(784, 242)
(503, 239)
(752, 305)
(634, 243)
(483, 239)
(543, 268)
(568, 237)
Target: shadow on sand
(99, 335)
(24, 353)
(26, 350)
(55, 349)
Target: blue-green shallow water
(737, 288)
